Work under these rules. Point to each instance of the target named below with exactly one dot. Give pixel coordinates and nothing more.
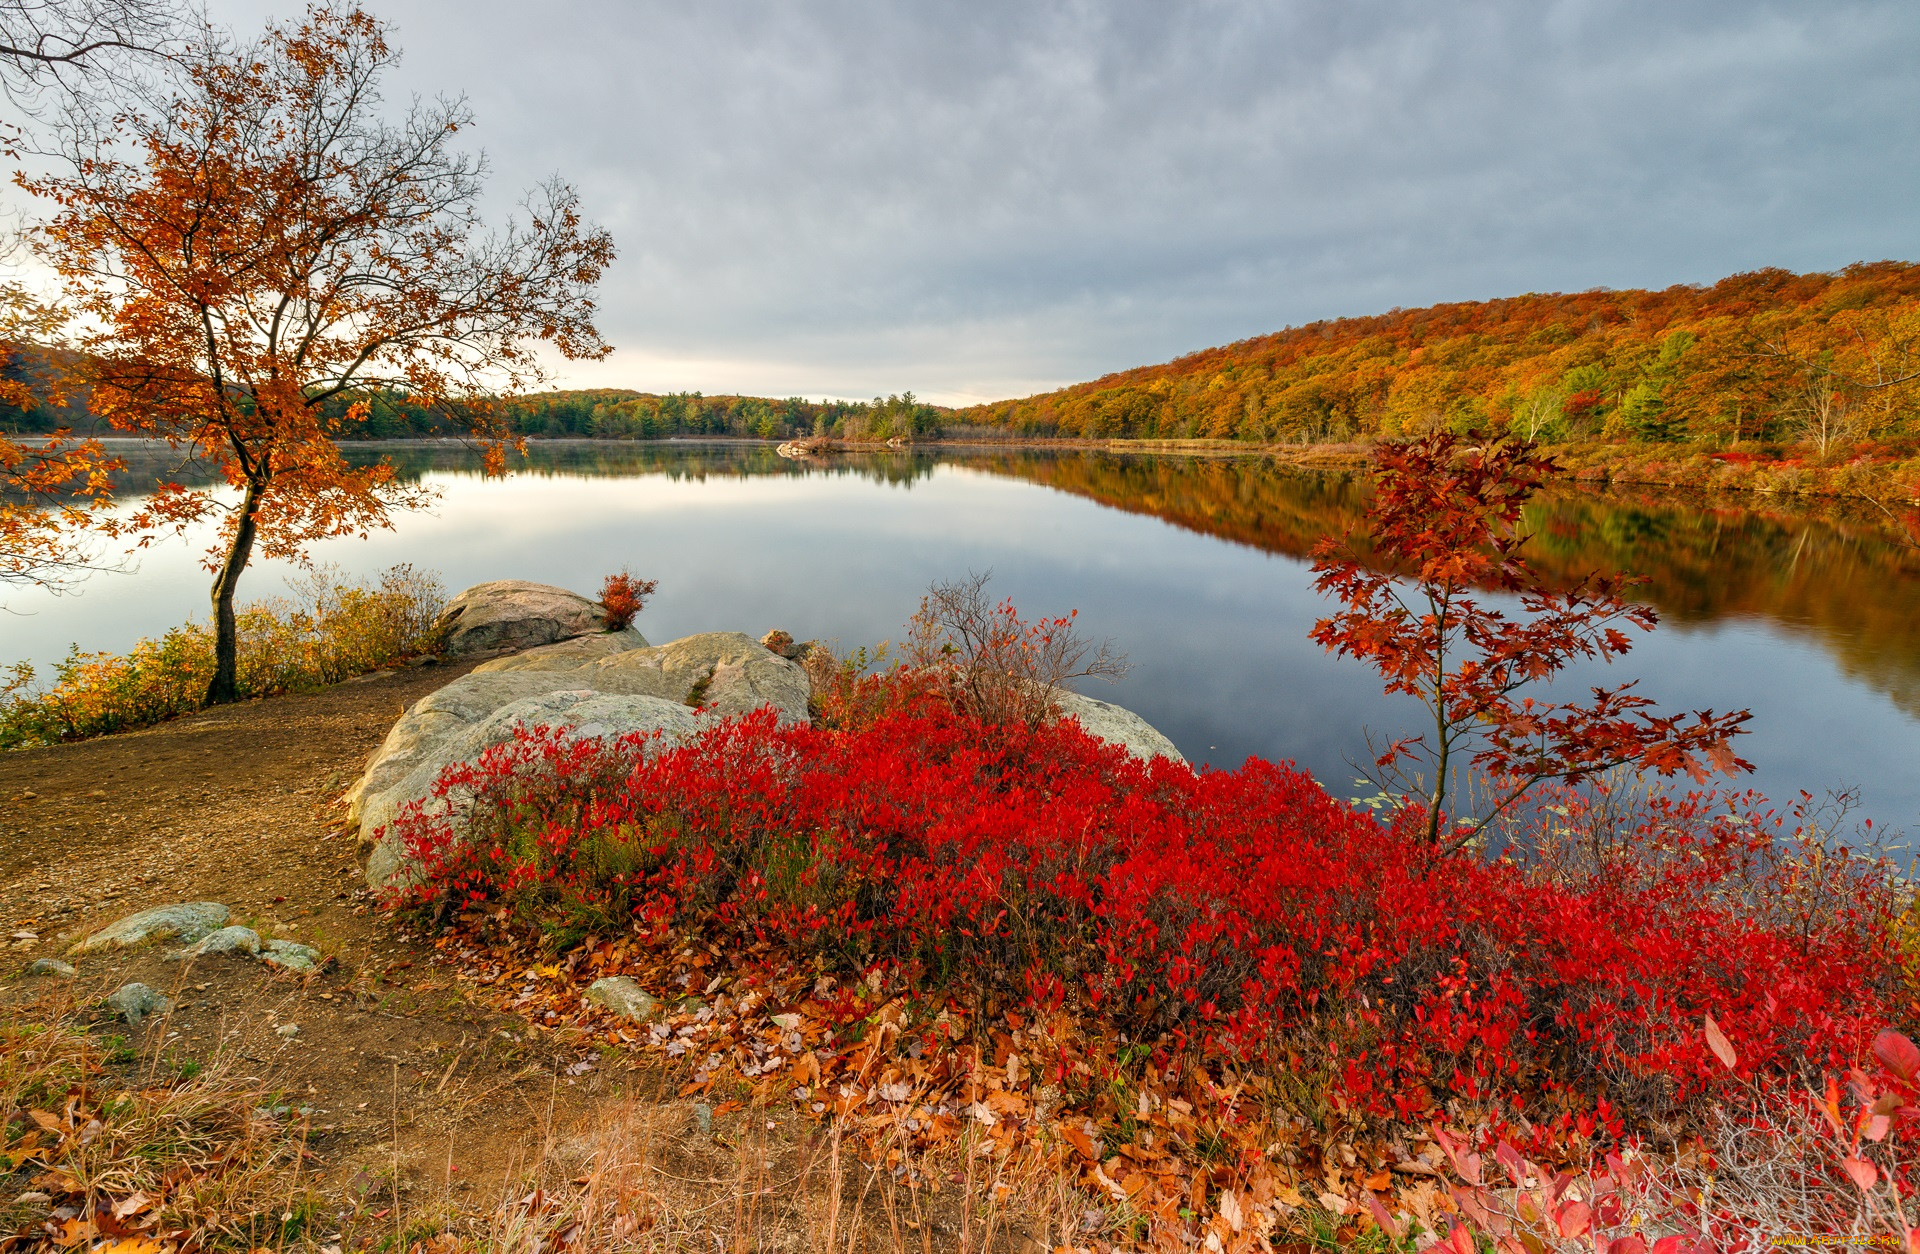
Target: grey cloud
(984, 198)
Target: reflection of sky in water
(1217, 632)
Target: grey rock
(586, 714)
(437, 717)
(287, 1031)
(568, 654)
(729, 671)
(50, 967)
(228, 940)
(186, 923)
(515, 614)
(134, 1002)
(622, 996)
(290, 955)
(737, 673)
(732, 672)
(1117, 725)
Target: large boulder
(722, 668)
(1117, 725)
(567, 654)
(515, 614)
(726, 670)
(583, 714)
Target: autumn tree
(269, 239)
(54, 491)
(1443, 531)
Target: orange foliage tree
(266, 245)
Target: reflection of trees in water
(696, 462)
(1827, 570)
(1831, 572)
(148, 462)
(1843, 580)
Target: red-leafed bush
(1228, 917)
(623, 597)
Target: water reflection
(1195, 564)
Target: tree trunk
(225, 687)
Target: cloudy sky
(984, 198)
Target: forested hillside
(1770, 357)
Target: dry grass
(652, 1176)
(103, 1143)
(112, 1149)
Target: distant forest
(1768, 357)
(606, 414)
(1830, 361)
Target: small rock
(703, 1118)
(228, 940)
(50, 966)
(287, 1031)
(622, 996)
(187, 922)
(134, 1002)
(290, 955)
(777, 641)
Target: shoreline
(1697, 474)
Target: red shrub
(623, 597)
(1244, 915)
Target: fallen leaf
(1230, 1210)
(1722, 1048)
(132, 1204)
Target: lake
(1196, 566)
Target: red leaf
(1898, 1054)
(1864, 1173)
(1573, 1219)
(1384, 1217)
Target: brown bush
(997, 667)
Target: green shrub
(328, 629)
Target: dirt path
(404, 1069)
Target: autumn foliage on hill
(1820, 359)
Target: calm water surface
(1195, 566)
